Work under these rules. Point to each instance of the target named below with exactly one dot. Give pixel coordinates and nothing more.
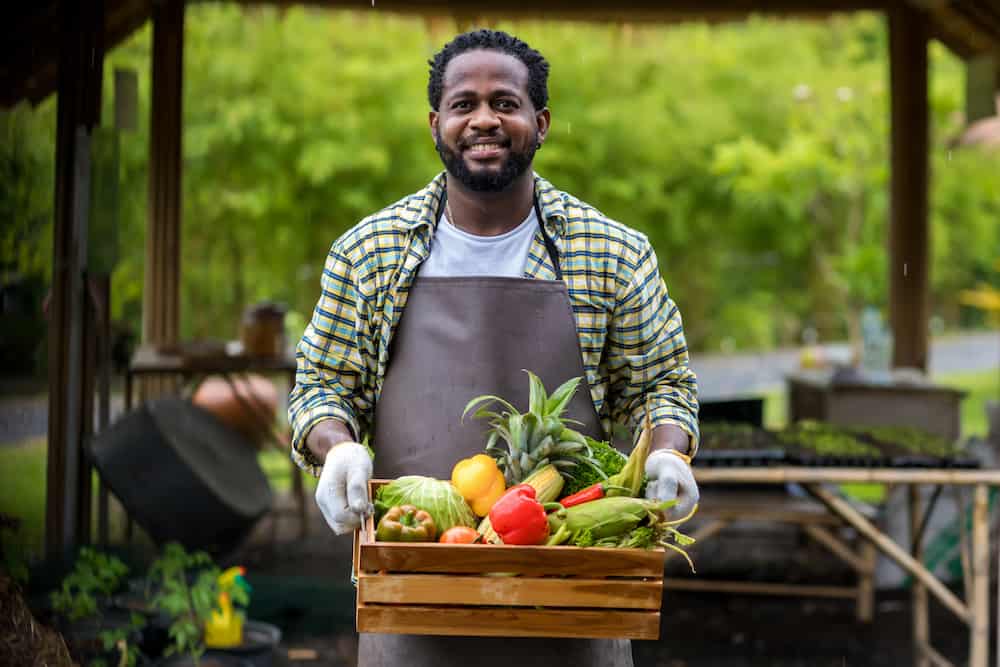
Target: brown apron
(459, 338)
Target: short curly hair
(491, 40)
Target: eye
(506, 105)
(460, 105)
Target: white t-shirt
(457, 253)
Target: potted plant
(195, 596)
(94, 630)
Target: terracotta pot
(246, 405)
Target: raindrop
(904, 269)
(569, 128)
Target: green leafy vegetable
(611, 462)
(438, 498)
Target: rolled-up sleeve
(331, 373)
(648, 356)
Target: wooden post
(161, 297)
(979, 605)
(81, 60)
(908, 224)
(918, 593)
(866, 582)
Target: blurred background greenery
(754, 155)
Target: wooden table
(191, 362)
(974, 610)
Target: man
(449, 293)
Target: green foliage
(188, 590)
(85, 591)
(95, 575)
(754, 155)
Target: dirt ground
(301, 584)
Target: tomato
(460, 535)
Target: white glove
(669, 477)
(342, 492)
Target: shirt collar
(424, 206)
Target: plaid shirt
(630, 330)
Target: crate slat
(508, 622)
(430, 558)
(424, 589)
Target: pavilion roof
(30, 44)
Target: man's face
(486, 129)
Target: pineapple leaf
(536, 395)
(557, 402)
(486, 400)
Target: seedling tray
(503, 590)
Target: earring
(538, 145)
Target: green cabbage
(437, 497)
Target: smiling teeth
(484, 147)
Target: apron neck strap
(550, 245)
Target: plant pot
(259, 643)
(83, 636)
(205, 661)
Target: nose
(484, 119)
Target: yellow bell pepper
(480, 482)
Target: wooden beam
(802, 475)
(161, 297)
(81, 62)
(758, 588)
(908, 210)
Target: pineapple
(523, 443)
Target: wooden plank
(918, 592)
(431, 557)
(802, 475)
(908, 210)
(508, 622)
(509, 591)
(891, 549)
(759, 588)
(979, 641)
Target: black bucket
(183, 475)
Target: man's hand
(669, 477)
(342, 492)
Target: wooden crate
(454, 589)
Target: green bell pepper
(406, 523)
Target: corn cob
(606, 517)
(547, 483)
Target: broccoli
(610, 459)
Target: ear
(432, 119)
(543, 119)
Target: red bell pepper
(518, 517)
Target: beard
(487, 180)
